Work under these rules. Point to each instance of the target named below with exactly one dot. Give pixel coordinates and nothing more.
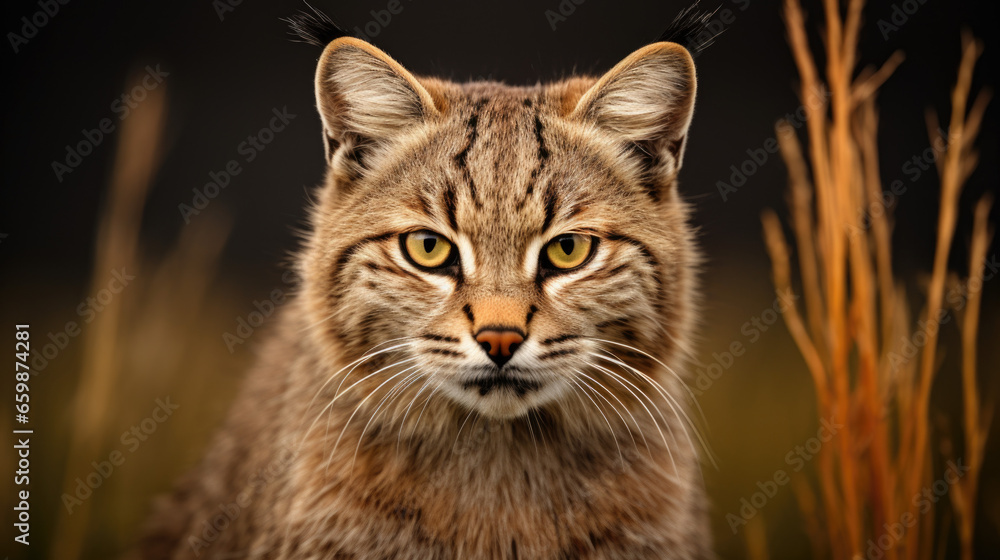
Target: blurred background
(131, 271)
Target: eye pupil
(567, 244)
(567, 251)
(428, 249)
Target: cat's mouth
(504, 393)
(501, 381)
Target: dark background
(226, 75)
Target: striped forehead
(504, 150)
(501, 174)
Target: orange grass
(159, 338)
(976, 424)
(117, 240)
(856, 318)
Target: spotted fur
(375, 426)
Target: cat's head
(504, 245)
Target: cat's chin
(504, 399)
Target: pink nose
(500, 345)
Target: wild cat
(498, 291)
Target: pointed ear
(365, 98)
(648, 100)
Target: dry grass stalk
(976, 424)
(756, 539)
(136, 160)
(170, 348)
(160, 339)
(856, 311)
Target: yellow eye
(428, 249)
(569, 250)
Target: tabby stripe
(558, 339)
(651, 166)
(617, 270)
(397, 270)
(425, 205)
(404, 273)
(543, 152)
(462, 157)
(449, 205)
(605, 274)
(550, 208)
(651, 259)
(543, 156)
(349, 252)
(440, 338)
(556, 354)
(531, 185)
(642, 247)
(653, 262)
(615, 321)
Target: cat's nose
(499, 343)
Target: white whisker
(364, 357)
(531, 431)
(622, 381)
(415, 375)
(625, 408)
(611, 429)
(665, 366)
(363, 401)
(576, 392)
(348, 374)
(678, 410)
(426, 401)
(338, 395)
(402, 423)
(460, 428)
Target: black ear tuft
(691, 29)
(314, 27)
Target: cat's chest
(479, 510)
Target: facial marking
(509, 186)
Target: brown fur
(374, 460)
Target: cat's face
(499, 244)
